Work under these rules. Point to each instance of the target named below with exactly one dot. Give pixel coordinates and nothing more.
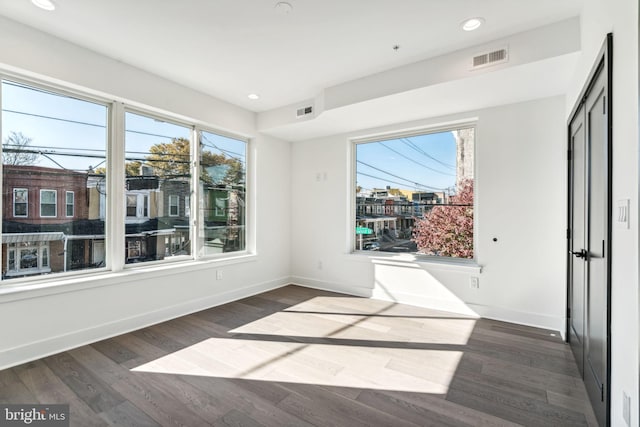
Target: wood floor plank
(114, 350)
(89, 387)
(320, 407)
(300, 357)
(157, 404)
(128, 415)
(227, 396)
(13, 390)
(49, 389)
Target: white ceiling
(230, 48)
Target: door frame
(603, 63)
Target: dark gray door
(595, 356)
(578, 243)
(589, 238)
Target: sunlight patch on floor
(358, 319)
(381, 368)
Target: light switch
(622, 213)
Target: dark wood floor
(298, 357)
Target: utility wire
(415, 161)
(78, 122)
(223, 151)
(424, 153)
(400, 183)
(53, 118)
(397, 176)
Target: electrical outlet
(218, 274)
(474, 282)
(626, 408)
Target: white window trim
(249, 209)
(55, 203)
(115, 218)
(352, 143)
(26, 215)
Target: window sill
(429, 262)
(15, 291)
(28, 272)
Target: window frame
(13, 255)
(170, 119)
(143, 202)
(112, 210)
(197, 217)
(26, 202)
(353, 142)
(55, 202)
(175, 205)
(72, 204)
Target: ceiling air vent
(487, 59)
(304, 111)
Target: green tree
(130, 168)
(172, 159)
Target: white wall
(34, 53)
(85, 309)
(620, 17)
(521, 193)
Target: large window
(53, 145)
(59, 192)
(222, 191)
(414, 193)
(157, 175)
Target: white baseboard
(331, 287)
(554, 323)
(59, 343)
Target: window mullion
(115, 225)
(194, 199)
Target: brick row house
(54, 219)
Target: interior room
(182, 181)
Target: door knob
(580, 254)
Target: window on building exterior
(223, 193)
(414, 193)
(20, 202)
(27, 258)
(53, 145)
(158, 173)
(137, 205)
(173, 205)
(48, 203)
(69, 203)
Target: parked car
(372, 246)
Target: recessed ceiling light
(44, 4)
(253, 96)
(472, 24)
(283, 8)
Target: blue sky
(73, 128)
(424, 162)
